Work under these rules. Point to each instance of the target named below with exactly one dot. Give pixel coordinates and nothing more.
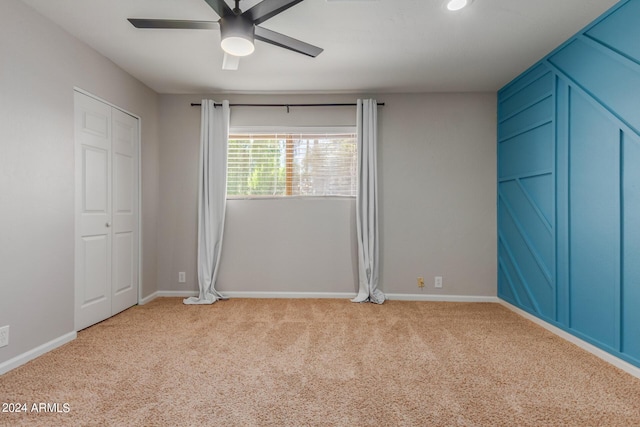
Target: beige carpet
(321, 362)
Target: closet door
(106, 248)
(124, 272)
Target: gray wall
(39, 66)
(437, 192)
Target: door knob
(108, 224)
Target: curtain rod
(194, 104)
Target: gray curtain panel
(212, 198)
(367, 203)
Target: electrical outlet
(438, 282)
(182, 277)
(4, 336)
(421, 282)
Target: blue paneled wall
(569, 185)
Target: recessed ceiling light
(454, 5)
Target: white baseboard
(176, 294)
(291, 295)
(148, 299)
(23, 358)
(250, 294)
(607, 357)
(323, 295)
(168, 294)
(440, 298)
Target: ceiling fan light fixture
(238, 35)
(454, 5)
(237, 46)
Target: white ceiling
(369, 46)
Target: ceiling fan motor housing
(238, 34)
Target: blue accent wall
(569, 185)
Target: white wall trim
(176, 294)
(298, 295)
(323, 295)
(440, 298)
(167, 294)
(23, 358)
(251, 294)
(148, 298)
(104, 101)
(607, 357)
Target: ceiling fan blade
(220, 7)
(287, 42)
(174, 24)
(230, 62)
(267, 9)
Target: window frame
(347, 129)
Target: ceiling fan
(239, 29)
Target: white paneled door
(106, 264)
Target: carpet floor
(247, 362)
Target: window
(303, 163)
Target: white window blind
(280, 164)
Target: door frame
(139, 178)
